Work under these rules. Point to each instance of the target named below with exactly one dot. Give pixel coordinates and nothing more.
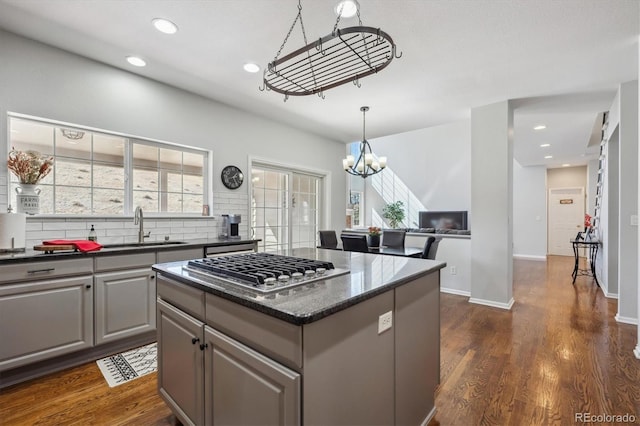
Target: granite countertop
(370, 275)
(30, 254)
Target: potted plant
(394, 213)
(373, 237)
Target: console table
(592, 246)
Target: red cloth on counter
(82, 245)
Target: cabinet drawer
(230, 249)
(165, 256)
(44, 270)
(187, 298)
(128, 261)
(275, 338)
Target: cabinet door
(180, 363)
(43, 319)
(125, 304)
(244, 387)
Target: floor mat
(129, 365)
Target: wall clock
(232, 177)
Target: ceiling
(560, 61)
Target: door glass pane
(284, 214)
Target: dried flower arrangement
(29, 166)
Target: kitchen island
(361, 346)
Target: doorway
(285, 207)
(566, 219)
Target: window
(100, 173)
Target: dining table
(397, 251)
(389, 251)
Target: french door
(285, 207)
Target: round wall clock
(232, 177)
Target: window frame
(128, 167)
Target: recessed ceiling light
(566, 165)
(346, 8)
(540, 127)
(545, 145)
(165, 26)
(548, 156)
(251, 67)
(135, 61)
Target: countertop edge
(299, 320)
(31, 255)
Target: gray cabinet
(125, 296)
(207, 377)
(244, 387)
(125, 304)
(165, 256)
(45, 318)
(180, 363)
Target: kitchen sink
(145, 244)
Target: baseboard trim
(492, 303)
(611, 295)
(455, 291)
(626, 320)
(62, 362)
(530, 257)
(430, 416)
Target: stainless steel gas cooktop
(265, 272)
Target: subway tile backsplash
(123, 230)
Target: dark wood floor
(558, 352)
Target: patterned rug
(126, 366)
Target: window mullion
(128, 177)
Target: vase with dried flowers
(373, 237)
(30, 167)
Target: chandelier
(366, 164)
(346, 55)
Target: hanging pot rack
(346, 55)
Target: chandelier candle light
(366, 164)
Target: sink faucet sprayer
(138, 219)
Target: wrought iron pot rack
(346, 55)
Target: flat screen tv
(443, 220)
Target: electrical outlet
(453, 270)
(634, 220)
(385, 321)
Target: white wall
(492, 201)
(529, 212)
(567, 177)
(628, 204)
(434, 163)
(637, 348)
(42, 81)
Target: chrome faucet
(138, 219)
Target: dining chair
(430, 248)
(328, 239)
(393, 238)
(354, 243)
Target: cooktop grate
(266, 271)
